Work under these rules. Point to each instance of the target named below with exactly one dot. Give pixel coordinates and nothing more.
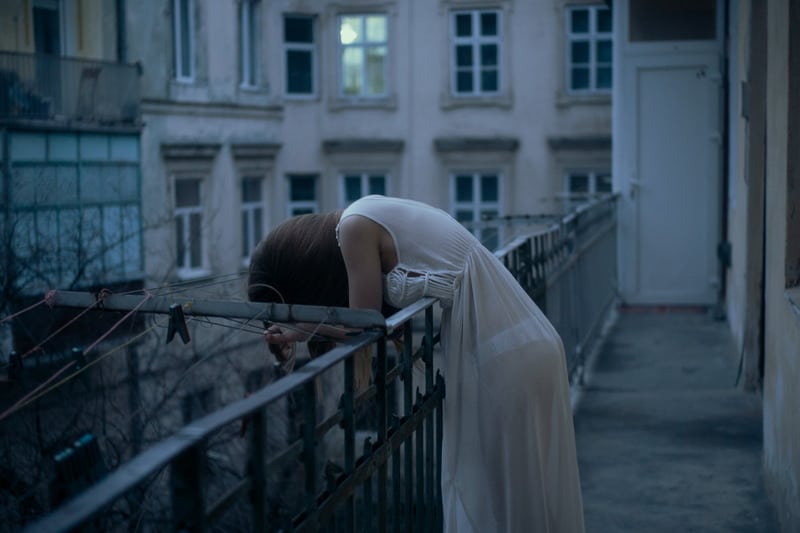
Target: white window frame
(592, 37)
(312, 205)
(179, 39)
(249, 210)
(364, 45)
(478, 205)
(592, 175)
(364, 177)
(302, 47)
(185, 213)
(250, 43)
(475, 41)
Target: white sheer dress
(509, 461)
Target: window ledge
(339, 103)
(185, 91)
(571, 99)
(450, 101)
(793, 297)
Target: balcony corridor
(666, 442)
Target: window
(476, 52)
(363, 48)
(184, 39)
(302, 194)
(188, 227)
(588, 183)
(248, 22)
(252, 216)
(298, 38)
(476, 197)
(589, 49)
(355, 185)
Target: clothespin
(177, 323)
(14, 366)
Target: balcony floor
(666, 442)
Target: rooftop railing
(384, 479)
(61, 90)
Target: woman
(509, 461)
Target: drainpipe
(122, 37)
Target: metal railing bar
(357, 318)
(405, 314)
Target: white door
(670, 186)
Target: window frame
(303, 47)
(593, 36)
(475, 41)
(364, 176)
(248, 210)
(249, 44)
(178, 38)
(478, 205)
(593, 176)
(341, 47)
(185, 213)
(292, 206)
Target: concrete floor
(666, 442)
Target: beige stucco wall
(782, 363)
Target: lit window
(298, 38)
(476, 52)
(476, 197)
(588, 183)
(363, 41)
(589, 49)
(302, 194)
(252, 216)
(184, 39)
(355, 185)
(248, 22)
(188, 226)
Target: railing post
(309, 443)
(188, 494)
(258, 475)
(429, 475)
(348, 422)
(380, 384)
(408, 407)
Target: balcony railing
(393, 483)
(38, 87)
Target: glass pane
(195, 241)
(489, 81)
(578, 183)
(580, 78)
(128, 183)
(580, 52)
(132, 246)
(186, 43)
(464, 55)
(490, 189)
(302, 189)
(258, 225)
(604, 78)
(350, 30)
(298, 30)
(672, 21)
(352, 188)
(302, 211)
(579, 21)
(603, 49)
(112, 232)
(298, 71)
(245, 235)
(179, 241)
(463, 215)
(99, 184)
(488, 55)
(352, 62)
(376, 28)
(187, 193)
(377, 185)
(376, 57)
(251, 190)
(604, 19)
(488, 23)
(464, 82)
(603, 183)
(463, 24)
(464, 189)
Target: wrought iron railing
(393, 483)
(67, 90)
